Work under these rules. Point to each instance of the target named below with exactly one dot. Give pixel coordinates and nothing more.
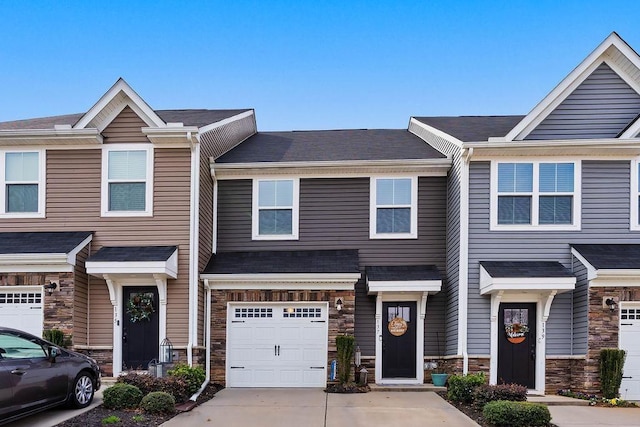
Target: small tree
(345, 345)
(611, 364)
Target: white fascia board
(566, 86)
(591, 270)
(283, 281)
(98, 268)
(437, 132)
(48, 136)
(430, 286)
(490, 285)
(632, 131)
(71, 256)
(226, 121)
(575, 147)
(53, 262)
(143, 109)
(346, 168)
(183, 136)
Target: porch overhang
(610, 264)
(399, 279)
(525, 277)
(134, 261)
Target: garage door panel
(277, 346)
(630, 342)
(22, 308)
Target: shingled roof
(187, 117)
(473, 128)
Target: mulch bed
(347, 388)
(131, 417)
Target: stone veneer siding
(339, 322)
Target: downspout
(463, 285)
(193, 245)
(207, 335)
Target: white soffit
(282, 281)
(490, 285)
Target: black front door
(140, 327)
(399, 340)
(517, 344)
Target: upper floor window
(23, 183)
(394, 209)
(275, 209)
(127, 180)
(540, 194)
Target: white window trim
(634, 194)
(42, 161)
(104, 199)
(295, 214)
(413, 233)
(534, 226)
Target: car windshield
(14, 347)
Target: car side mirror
(53, 353)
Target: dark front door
(517, 344)
(399, 340)
(140, 327)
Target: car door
(35, 380)
(7, 405)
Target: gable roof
(616, 54)
(132, 253)
(331, 145)
(472, 128)
(525, 269)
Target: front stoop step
(406, 387)
(555, 400)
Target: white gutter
(463, 279)
(207, 334)
(193, 249)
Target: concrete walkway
(315, 408)
(589, 416)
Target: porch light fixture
(611, 303)
(339, 304)
(50, 287)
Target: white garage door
(630, 342)
(21, 308)
(276, 345)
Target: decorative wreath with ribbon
(140, 307)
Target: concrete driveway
(315, 408)
(588, 416)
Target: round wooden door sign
(397, 326)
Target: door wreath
(516, 332)
(140, 306)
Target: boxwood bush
(193, 375)
(516, 414)
(158, 402)
(488, 393)
(121, 396)
(174, 385)
(461, 387)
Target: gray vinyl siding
(451, 287)
(605, 219)
(602, 106)
(580, 309)
(334, 214)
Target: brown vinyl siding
(73, 203)
(125, 128)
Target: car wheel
(82, 393)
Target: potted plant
(438, 378)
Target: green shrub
(460, 387)
(488, 393)
(56, 336)
(345, 345)
(193, 375)
(158, 402)
(516, 414)
(175, 386)
(121, 396)
(611, 364)
(111, 419)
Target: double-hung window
(275, 209)
(393, 208)
(541, 194)
(127, 180)
(23, 183)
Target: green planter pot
(439, 379)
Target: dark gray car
(36, 375)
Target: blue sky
(301, 64)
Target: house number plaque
(397, 326)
